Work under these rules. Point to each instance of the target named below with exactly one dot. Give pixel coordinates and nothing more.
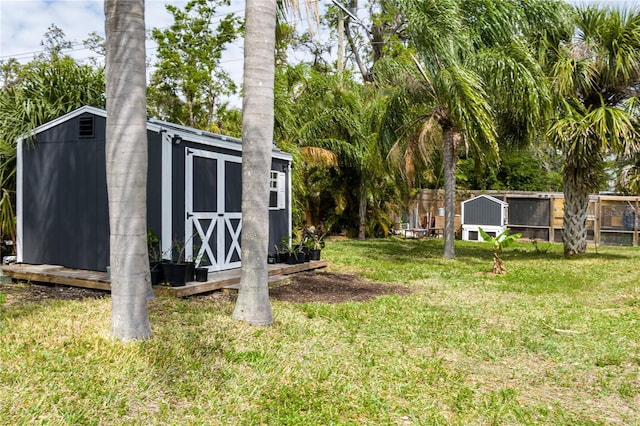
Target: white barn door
(213, 209)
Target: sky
(24, 22)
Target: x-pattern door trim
(221, 221)
(235, 236)
(205, 237)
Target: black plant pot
(202, 275)
(282, 258)
(291, 259)
(301, 257)
(306, 253)
(189, 273)
(156, 276)
(155, 269)
(271, 259)
(174, 273)
(314, 254)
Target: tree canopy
(417, 94)
(189, 86)
(595, 76)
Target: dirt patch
(300, 288)
(332, 288)
(20, 294)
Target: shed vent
(86, 127)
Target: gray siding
(154, 183)
(482, 211)
(64, 198)
(66, 213)
(65, 208)
(178, 214)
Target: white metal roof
(155, 125)
(488, 197)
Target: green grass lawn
(555, 341)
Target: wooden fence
(611, 219)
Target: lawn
(554, 342)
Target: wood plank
(282, 268)
(60, 279)
(195, 288)
(53, 274)
(217, 284)
(231, 288)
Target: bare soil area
(300, 288)
(23, 293)
(332, 288)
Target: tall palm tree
(253, 304)
(593, 76)
(126, 157)
(456, 108)
(475, 78)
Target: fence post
(596, 225)
(552, 218)
(635, 225)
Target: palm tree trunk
(450, 155)
(126, 164)
(253, 304)
(362, 212)
(576, 202)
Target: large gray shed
(486, 212)
(193, 193)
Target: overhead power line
(77, 46)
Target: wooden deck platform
(54, 274)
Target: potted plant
(289, 251)
(315, 243)
(155, 257)
(176, 271)
(308, 247)
(299, 247)
(201, 273)
(281, 255)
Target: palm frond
(517, 88)
(319, 156)
(573, 74)
(461, 93)
(436, 28)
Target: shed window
(276, 191)
(86, 127)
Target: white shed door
(213, 209)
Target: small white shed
(486, 212)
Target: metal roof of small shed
(488, 197)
